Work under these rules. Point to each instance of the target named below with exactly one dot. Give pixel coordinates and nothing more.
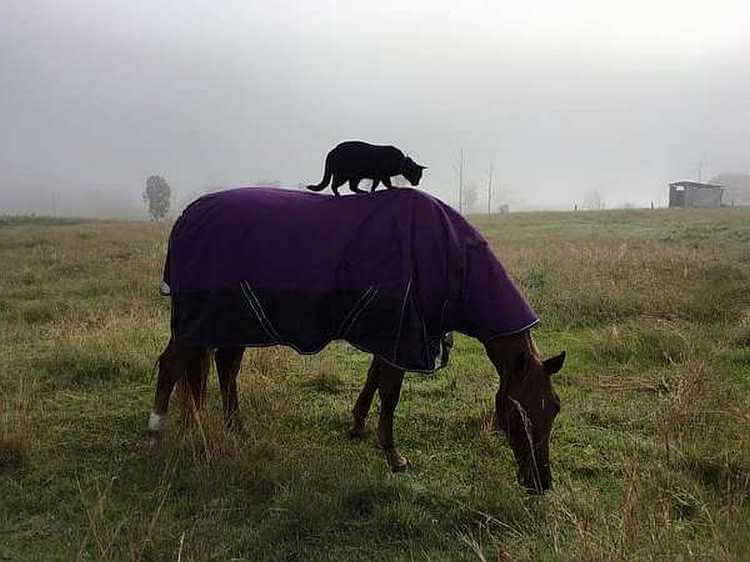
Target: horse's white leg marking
(164, 289)
(156, 431)
(156, 422)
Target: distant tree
(490, 172)
(736, 187)
(460, 170)
(157, 197)
(471, 194)
(592, 200)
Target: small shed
(695, 194)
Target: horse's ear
(554, 364)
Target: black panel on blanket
(390, 328)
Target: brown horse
(525, 404)
(391, 273)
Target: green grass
(650, 454)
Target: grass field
(651, 453)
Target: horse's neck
(504, 350)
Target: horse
(393, 273)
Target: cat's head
(412, 171)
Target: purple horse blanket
(392, 273)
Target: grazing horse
(393, 273)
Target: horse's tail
(164, 288)
(326, 177)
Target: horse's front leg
(389, 388)
(172, 365)
(228, 362)
(362, 406)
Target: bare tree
(461, 181)
(471, 196)
(489, 189)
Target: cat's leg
(375, 184)
(354, 185)
(387, 182)
(336, 182)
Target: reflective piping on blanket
(443, 353)
(254, 303)
(426, 342)
(442, 314)
(354, 319)
(514, 332)
(345, 327)
(401, 318)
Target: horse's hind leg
(186, 365)
(228, 362)
(193, 385)
(362, 406)
(389, 387)
(172, 365)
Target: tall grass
(650, 453)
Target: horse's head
(526, 406)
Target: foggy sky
(564, 98)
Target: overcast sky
(564, 98)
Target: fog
(563, 99)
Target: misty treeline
(478, 191)
(736, 188)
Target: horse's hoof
(397, 462)
(357, 431)
(396, 468)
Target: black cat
(354, 161)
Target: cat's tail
(324, 182)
